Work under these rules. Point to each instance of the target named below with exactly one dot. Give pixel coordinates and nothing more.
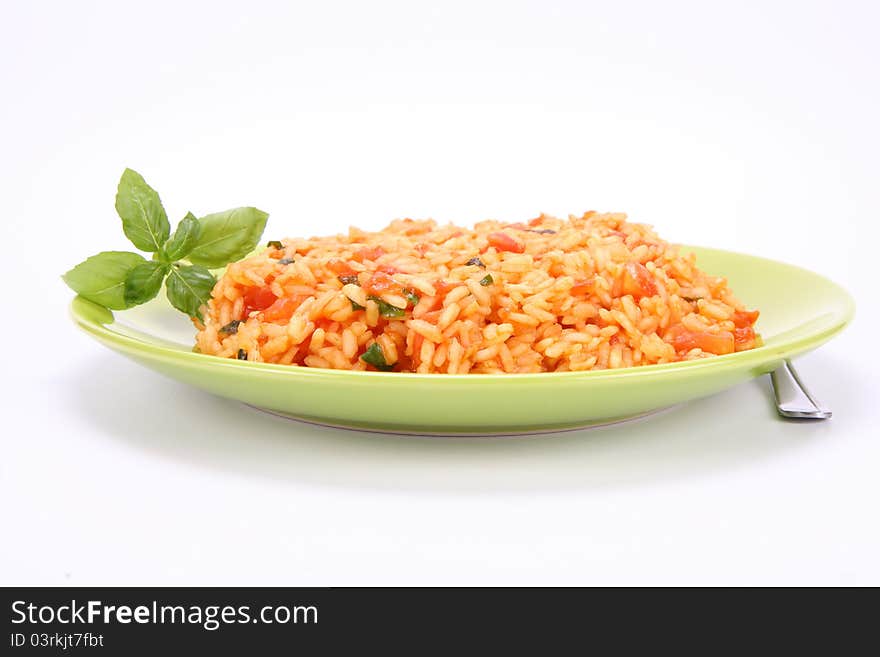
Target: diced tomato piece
(536, 221)
(582, 286)
(504, 242)
(324, 323)
(282, 309)
(340, 267)
(418, 339)
(745, 318)
(258, 298)
(380, 283)
(369, 253)
(388, 269)
(683, 340)
(443, 286)
(637, 281)
(744, 338)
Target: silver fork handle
(792, 397)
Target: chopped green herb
(386, 309)
(374, 356)
(476, 261)
(487, 280)
(275, 244)
(242, 354)
(411, 296)
(286, 261)
(356, 306)
(231, 328)
(350, 279)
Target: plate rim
(95, 320)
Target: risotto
(548, 295)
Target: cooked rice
(587, 293)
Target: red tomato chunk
(380, 283)
(683, 340)
(282, 309)
(258, 298)
(637, 281)
(504, 242)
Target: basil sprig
(121, 279)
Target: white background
(747, 126)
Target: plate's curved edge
(752, 358)
(96, 321)
(489, 433)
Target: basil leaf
(101, 278)
(228, 236)
(189, 288)
(144, 282)
(487, 280)
(184, 239)
(375, 357)
(386, 309)
(411, 296)
(144, 221)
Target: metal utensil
(792, 397)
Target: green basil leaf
(144, 221)
(101, 278)
(374, 356)
(386, 309)
(189, 288)
(228, 236)
(144, 282)
(487, 280)
(185, 238)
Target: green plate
(799, 311)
